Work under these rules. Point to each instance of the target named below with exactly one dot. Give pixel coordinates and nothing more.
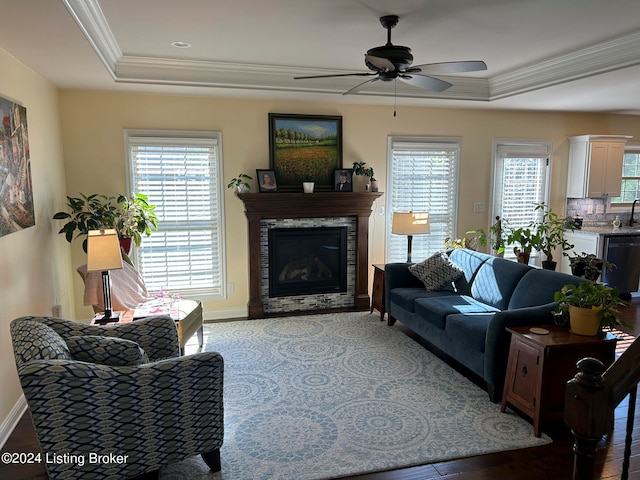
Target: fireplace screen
(304, 261)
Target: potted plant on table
(588, 306)
(549, 234)
(129, 216)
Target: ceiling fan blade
(360, 86)
(444, 68)
(358, 74)
(425, 82)
(380, 63)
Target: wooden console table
(540, 366)
(262, 206)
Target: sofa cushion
(36, 341)
(496, 280)
(436, 271)
(469, 261)
(436, 309)
(405, 297)
(469, 329)
(538, 286)
(115, 352)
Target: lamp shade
(103, 251)
(410, 223)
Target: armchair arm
(156, 413)
(498, 339)
(157, 335)
(397, 275)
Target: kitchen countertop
(609, 231)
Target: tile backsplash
(594, 211)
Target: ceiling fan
(390, 62)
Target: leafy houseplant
(359, 170)
(549, 234)
(495, 237)
(130, 217)
(597, 301)
(240, 183)
(522, 239)
(588, 265)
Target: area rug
(327, 396)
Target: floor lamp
(410, 224)
(103, 254)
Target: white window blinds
(182, 177)
(521, 179)
(423, 177)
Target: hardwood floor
(552, 461)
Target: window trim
(196, 135)
(623, 207)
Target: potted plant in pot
(240, 183)
(495, 237)
(588, 265)
(362, 176)
(521, 239)
(130, 217)
(588, 306)
(549, 235)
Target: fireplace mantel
(259, 206)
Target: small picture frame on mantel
(343, 180)
(267, 182)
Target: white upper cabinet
(595, 165)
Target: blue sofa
(466, 320)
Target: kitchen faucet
(633, 207)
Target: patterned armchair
(116, 402)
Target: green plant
(240, 181)
(495, 237)
(591, 295)
(129, 216)
(360, 169)
(549, 232)
(521, 239)
(588, 265)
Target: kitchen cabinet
(595, 165)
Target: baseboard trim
(8, 424)
(224, 314)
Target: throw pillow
(436, 271)
(115, 352)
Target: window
(423, 177)
(630, 189)
(520, 181)
(181, 173)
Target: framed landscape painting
(305, 148)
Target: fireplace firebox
(305, 261)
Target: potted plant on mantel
(362, 176)
(240, 183)
(588, 306)
(129, 216)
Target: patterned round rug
(327, 396)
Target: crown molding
(614, 54)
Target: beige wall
(34, 263)
(93, 123)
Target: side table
(377, 295)
(541, 364)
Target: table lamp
(410, 224)
(103, 254)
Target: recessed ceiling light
(181, 44)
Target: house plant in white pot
(240, 183)
(361, 176)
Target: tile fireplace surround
(268, 210)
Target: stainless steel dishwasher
(624, 252)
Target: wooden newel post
(587, 414)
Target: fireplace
(306, 261)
